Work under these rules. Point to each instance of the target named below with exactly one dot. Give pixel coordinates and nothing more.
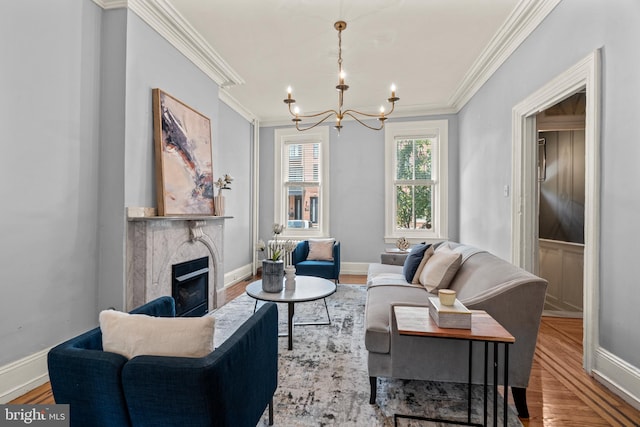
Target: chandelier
(341, 87)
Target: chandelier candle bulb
(393, 91)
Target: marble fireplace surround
(155, 243)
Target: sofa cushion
(321, 249)
(440, 269)
(379, 299)
(413, 261)
(136, 334)
(427, 254)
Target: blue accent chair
(231, 386)
(326, 269)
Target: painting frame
(183, 158)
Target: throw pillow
(321, 249)
(440, 269)
(136, 334)
(413, 260)
(427, 254)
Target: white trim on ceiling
(233, 103)
(111, 4)
(163, 18)
(521, 22)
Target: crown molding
(236, 106)
(167, 21)
(524, 19)
(111, 4)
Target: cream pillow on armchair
(133, 335)
(321, 249)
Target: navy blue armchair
(231, 386)
(325, 269)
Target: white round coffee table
(308, 288)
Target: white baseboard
(618, 376)
(354, 268)
(22, 376)
(237, 275)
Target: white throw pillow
(440, 269)
(427, 254)
(136, 334)
(321, 249)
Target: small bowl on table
(447, 297)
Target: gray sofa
(513, 296)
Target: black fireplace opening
(190, 287)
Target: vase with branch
(223, 183)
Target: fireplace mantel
(155, 243)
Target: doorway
(585, 75)
(561, 196)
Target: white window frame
(282, 139)
(438, 131)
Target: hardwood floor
(560, 393)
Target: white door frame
(524, 211)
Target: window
(301, 182)
(416, 187)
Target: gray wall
(49, 109)
(149, 62)
(236, 138)
(357, 187)
(78, 148)
(571, 32)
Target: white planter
(290, 277)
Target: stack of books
(455, 316)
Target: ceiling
(427, 48)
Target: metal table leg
(495, 384)
(328, 322)
(290, 324)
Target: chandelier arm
(309, 116)
(348, 113)
(352, 112)
(320, 122)
(393, 107)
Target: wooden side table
(416, 321)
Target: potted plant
(273, 267)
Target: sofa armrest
(88, 379)
(160, 307)
(229, 387)
(300, 252)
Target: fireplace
(190, 287)
(155, 244)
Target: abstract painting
(182, 139)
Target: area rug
(324, 381)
